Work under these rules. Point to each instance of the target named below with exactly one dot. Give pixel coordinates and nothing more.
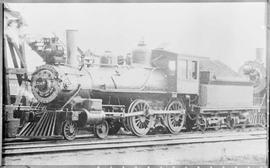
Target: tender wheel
(230, 123)
(175, 122)
(102, 130)
(69, 130)
(114, 127)
(139, 125)
(262, 120)
(217, 126)
(201, 123)
(244, 125)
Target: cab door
(187, 76)
(172, 75)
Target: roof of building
(220, 71)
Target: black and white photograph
(138, 84)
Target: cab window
(194, 69)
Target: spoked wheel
(69, 130)
(217, 126)
(244, 125)
(101, 130)
(230, 122)
(139, 125)
(176, 121)
(262, 120)
(201, 123)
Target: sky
(229, 32)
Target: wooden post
(14, 60)
(6, 88)
(1, 88)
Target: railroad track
(45, 147)
(91, 137)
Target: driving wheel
(139, 125)
(175, 121)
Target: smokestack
(72, 57)
(259, 54)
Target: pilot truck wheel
(69, 130)
(101, 130)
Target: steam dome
(141, 54)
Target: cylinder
(72, 58)
(91, 117)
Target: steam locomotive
(159, 89)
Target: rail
(70, 146)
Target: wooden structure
(13, 48)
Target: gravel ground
(238, 152)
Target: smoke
(163, 45)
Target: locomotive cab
(187, 74)
(182, 71)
